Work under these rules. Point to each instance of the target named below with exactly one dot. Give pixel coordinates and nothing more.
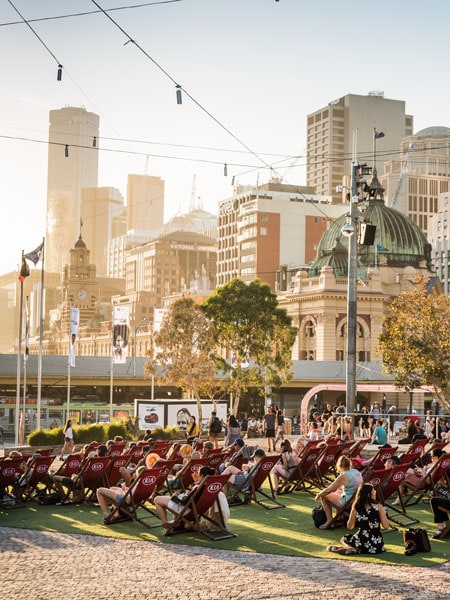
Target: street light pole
(351, 297)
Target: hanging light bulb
(66, 151)
(232, 180)
(179, 98)
(225, 170)
(59, 76)
(94, 142)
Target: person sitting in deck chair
(114, 495)
(238, 476)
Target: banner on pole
(121, 334)
(74, 322)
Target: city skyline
(258, 67)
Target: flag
(378, 134)
(36, 255)
(74, 320)
(24, 270)
(121, 333)
(27, 331)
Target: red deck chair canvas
(198, 506)
(33, 477)
(356, 449)
(91, 476)
(116, 449)
(377, 463)
(427, 483)
(251, 488)
(214, 460)
(117, 462)
(183, 479)
(10, 470)
(137, 498)
(71, 465)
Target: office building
(145, 202)
(263, 227)
(439, 236)
(330, 137)
(72, 166)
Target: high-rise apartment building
(145, 202)
(330, 137)
(261, 228)
(100, 208)
(414, 180)
(72, 166)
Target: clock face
(82, 294)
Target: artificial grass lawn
(285, 531)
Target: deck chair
(34, 478)
(324, 467)
(377, 463)
(137, 497)
(70, 466)
(344, 448)
(165, 465)
(214, 460)
(10, 470)
(251, 489)
(357, 447)
(410, 457)
(198, 506)
(117, 462)
(419, 445)
(116, 449)
(183, 479)
(390, 488)
(300, 476)
(93, 474)
(428, 481)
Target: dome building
(317, 299)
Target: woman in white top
(288, 461)
(68, 439)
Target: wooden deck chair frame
(427, 483)
(299, 477)
(197, 507)
(138, 495)
(357, 447)
(251, 489)
(91, 476)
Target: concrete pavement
(53, 566)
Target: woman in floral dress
(368, 517)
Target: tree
(185, 343)
(415, 342)
(257, 334)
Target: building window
(263, 231)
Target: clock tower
(79, 285)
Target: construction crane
(403, 170)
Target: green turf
(286, 531)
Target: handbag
(440, 491)
(318, 515)
(416, 540)
(182, 498)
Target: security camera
(339, 189)
(348, 230)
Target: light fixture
(348, 229)
(94, 142)
(66, 151)
(179, 98)
(59, 75)
(225, 170)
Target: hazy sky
(258, 67)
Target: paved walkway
(53, 566)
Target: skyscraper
(330, 137)
(145, 202)
(72, 165)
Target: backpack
(216, 426)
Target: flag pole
(111, 375)
(41, 333)
(24, 403)
(19, 351)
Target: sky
(251, 71)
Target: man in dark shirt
(269, 428)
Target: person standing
(233, 431)
(280, 427)
(269, 428)
(68, 439)
(214, 429)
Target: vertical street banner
(121, 334)
(74, 321)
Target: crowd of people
(240, 461)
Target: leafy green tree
(185, 342)
(415, 342)
(258, 335)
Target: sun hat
(185, 450)
(151, 459)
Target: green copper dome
(433, 132)
(399, 242)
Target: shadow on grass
(286, 532)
